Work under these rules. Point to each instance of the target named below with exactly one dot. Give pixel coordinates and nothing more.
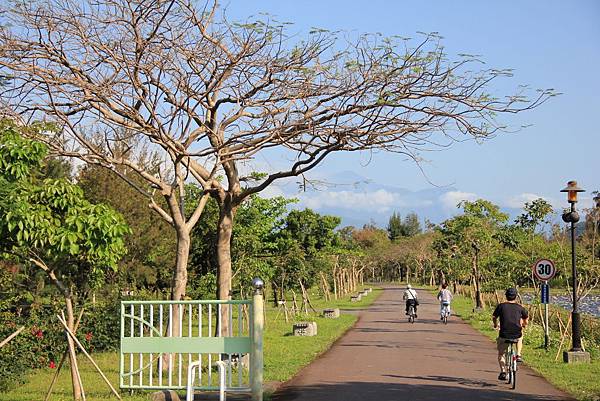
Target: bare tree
(211, 93)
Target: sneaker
(502, 376)
(442, 318)
(416, 316)
(519, 359)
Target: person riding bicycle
(411, 298)
(513, 318)
(445, 297)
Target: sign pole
(546, 328)
(544, 270)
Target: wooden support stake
(13, 335)
(74, 358)
(562, 339)
(62, 360)
(90, 358)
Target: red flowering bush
(40, 343)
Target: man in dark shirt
(513, 318)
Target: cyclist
(410, 296)
(513, 318)
(445, 297)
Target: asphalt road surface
(385, 358)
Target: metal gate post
(257, 340)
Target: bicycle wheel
(513, 369)
(446, 317)
(508, 365)
(411, 314)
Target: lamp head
(572, 190)
(258, 284)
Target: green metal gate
(160, 339)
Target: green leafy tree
(301, 242)
(530, 242)
(394, 227)
(310, 230)
(51, 226)
(150, 259)
(473, 236)
(253, 243)
(254, 239)
(535, 214)
(411, 225)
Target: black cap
(511, 293)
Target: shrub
(40, 345)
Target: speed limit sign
(544, 269)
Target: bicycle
(411, 313)
(445, 312)
(510, 360)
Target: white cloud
(518, 201)
(380, 201)
(451, 199)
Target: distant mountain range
(359, 200)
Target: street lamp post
(576, 354)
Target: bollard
(258, 323)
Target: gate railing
(159, 339)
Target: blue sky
(549, 44)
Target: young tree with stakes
(51, 226)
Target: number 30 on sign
(544, 269)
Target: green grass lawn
(580, 380)
(284, 356)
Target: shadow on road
(365, 391)
(448, 379)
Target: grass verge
(580, 380)
(284, 356)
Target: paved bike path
(385, 358)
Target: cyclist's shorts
(445, 303)
(502, 346)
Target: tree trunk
(75, 379)
(295, 308)
(275, 294)
(224, 233)
(179, 283)
(476, 278)
(178, 286)
(72, 355)
(335, 283)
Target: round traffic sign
(544, 269)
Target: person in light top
(410, 296)
(445, 297)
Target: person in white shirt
(410, 296)
(445, 297)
